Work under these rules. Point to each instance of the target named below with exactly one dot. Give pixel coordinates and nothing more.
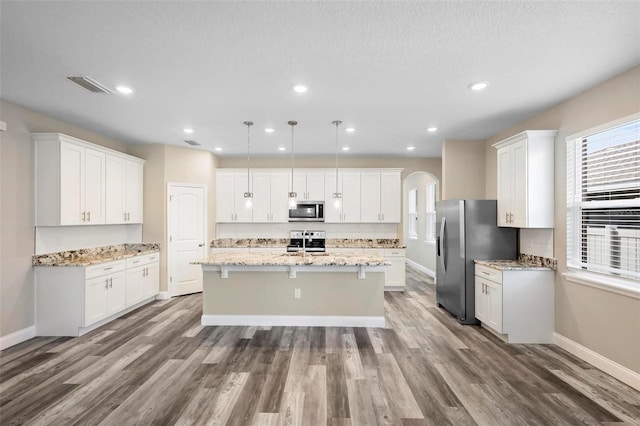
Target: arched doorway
(420, 190)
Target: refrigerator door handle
(443, 226)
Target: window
(603, 202)
(413, 213)
(430, 212)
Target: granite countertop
(293, 259)
(92, 256)
(513, 265)
(283, 242)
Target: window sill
(614, 285)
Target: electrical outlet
(297, 293)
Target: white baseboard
(163, 295)
(294, 320)
(17, 337)
(422, 268)
(616, 370)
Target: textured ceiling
(388, 69)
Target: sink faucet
(304, 243)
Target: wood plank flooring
(158, 365)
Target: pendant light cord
(337, 123)
(292, 123)
(248, 124)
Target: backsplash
(538, 261)
(537, 242)
(50, 239)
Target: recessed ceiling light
(125, 90)
(345, 148)
(350, 129)
(432, 129)
(480, 85)
(187, 130)
(268, 130)
(217, 149)
(300, 88)
(411, 148)
(282, 148)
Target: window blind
(603, 201)
(430, 209)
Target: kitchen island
(273, 289)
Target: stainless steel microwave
(307, 211)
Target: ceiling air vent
(192, 142)
(90, 84)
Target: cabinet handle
(125, 216)
(106, 283)
(486, 273)
(110, 282)
(506, 217)
(88, 216)
(84, 216)
(511, 217)
(128, 216)
(382, 216)
(106, 269)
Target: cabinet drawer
(103, 269)
(394, 252)
(132, 262)
(489, 273)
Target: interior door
(187, 237)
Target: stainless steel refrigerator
(467, 230)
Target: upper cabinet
(73, 185)
(380, 196)
(309, 185)
(124, 190)
(348, 209)
(525, 180)
(364, 191)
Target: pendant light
(337, 196)
(292, 194)
(248, 196)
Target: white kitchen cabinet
(380, 196)
(73, 300)
(518, 304)
(270, 197)
(394, 275)
(71, 181)
(123, 190)
(142, 278)
(231, 206)
(349, 206)
(309, 185)
(526, 180)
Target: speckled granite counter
(91, 256)
(283, 242)
(512, 265)
(291, 259)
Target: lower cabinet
(72, 300)
(518, 304)
(394, 275)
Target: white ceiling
(388, 69)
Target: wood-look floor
(157, 365)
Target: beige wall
(172, 164)
(463, 169)
(17, 308)
(604, 322)
(418, 250)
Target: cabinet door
(116, 296)
(133, 191)
(225, 198)
(95, 299)
(261, 197)
(134, 285)
(279, 197)
(71, 184)
(151, 281)
(519, 184)
(351, 197)
(332, 214)
(480, 300)
(494, 306)
(300, 185)
(94, 187)
(395, 274)
(390, 197)
(243, 209)
(504, 186)
(114, 194)
(370, 197)
(315, 186)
